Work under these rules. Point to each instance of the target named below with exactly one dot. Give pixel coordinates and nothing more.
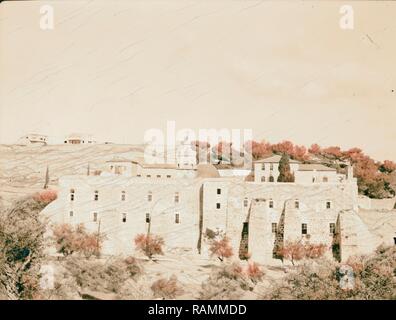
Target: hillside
(22, 168)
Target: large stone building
(319, 207)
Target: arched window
(262, 179)
(271, 179)
(325, 179)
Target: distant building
(34, 138)
(78, 138)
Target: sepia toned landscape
(227, 150)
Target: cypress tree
(285, 174)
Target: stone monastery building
(184, 201)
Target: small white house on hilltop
(78, 138)
(34, 138)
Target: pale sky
(286, 70)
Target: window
(147, 217)
(328, 204)
(150, 196)
(262, 179)
(271, 203)
(176, 197)
(123, 196)
(158, 176)
(296, 204)
(218, 205)
(271, 166)
(148, 176)
(245, 202)
(218, 191)
(96, 198)
(168, 175)
(274, 226)
(332, 228)
(124, 217)
(263, 166)
(325, 179)
(95, 216)
(72, 195)
(139, 175)
(177, 218)
(304, 228)
(271, 179)
(71, 213)
(313, 179)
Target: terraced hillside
(22, 168)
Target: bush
(374, 278)
(166, 288)
(295, 250)
(46, 196)
(103, 276)
(231, 281)
(149, 244)
(71, 240)
(22, 244)
(221, 248)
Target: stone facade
(255, 216)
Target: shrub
(374, 278)
(21, 243)
(69, 240)
(166, 288)
(221, 248)
(294, 251)
(46, 196)
(231, 281)
(254, 272)
(149, 244)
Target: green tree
(285, 174)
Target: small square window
(71, 213)
(123, 196)
(177, 198)
(124, 217)
(168, 175)
(271, 204)
(296, 204)
(147, 217)
(332, 228)
(139, 175)
(177, 218)
(96, 198)
(218, 191)
(95, 216)
(274, 227)
(72, 197)
(304, 228)
(218, 205)
(150, 197)
(158, 176)
(245, 202)
(328, 204)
